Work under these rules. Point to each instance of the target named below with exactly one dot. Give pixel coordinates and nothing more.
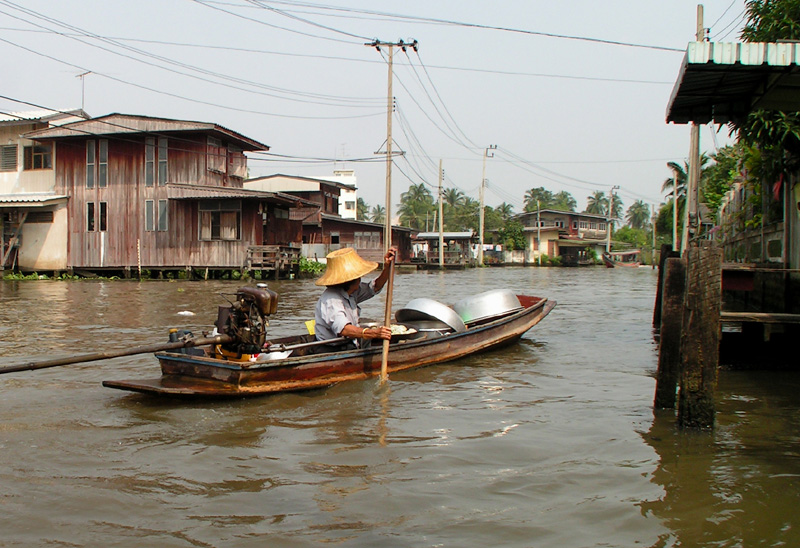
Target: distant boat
(622, 258)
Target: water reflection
(738, 485)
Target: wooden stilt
(669, 350)
(701, 335)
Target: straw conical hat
(345, 265)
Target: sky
(573, 94)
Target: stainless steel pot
(487, 306)
(428, 309)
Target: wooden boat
(184, 374)
(622, 258)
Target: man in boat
(337, 312)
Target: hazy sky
(572, 93)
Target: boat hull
(185, 375)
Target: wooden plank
(759, 317)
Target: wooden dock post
(666, 253)
(701, 335)
(673, 270)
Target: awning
(724, 82)
(31, 200)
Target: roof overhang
(724, 82)
(31, 200)
(180, 191)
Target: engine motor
(245, 319)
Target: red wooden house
(162, 194)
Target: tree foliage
(638, 215)
(562, 201)
(597, 203)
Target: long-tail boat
(249, 365)
(622, 258)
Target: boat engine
(245, 319)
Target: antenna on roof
(83, 86)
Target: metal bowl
(487, 306)
(428, 309)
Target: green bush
(311, 268)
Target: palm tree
(505, 210)
(564, 201)
(378, 214)
(362, 210)
(453, 197)
(538, 197)
(416, 206)
(616, 207)
(638, 214)
(597, 203)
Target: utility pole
(387, 231)
(610, 223)
(486, 154)
(655, 218)
(539, 231)
(441, 217)
(690, 216)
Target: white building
(33, 218)
(348, 199)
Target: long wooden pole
(219, 339)
(387, 323)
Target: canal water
(551, 442)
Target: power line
(184, 98)
(451, 22)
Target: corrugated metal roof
(37, 200)
(117, 124)
(723, 82)
(178, 191)
(447, 235)
(53, 117)
(268, 178)
(330, 217)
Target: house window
(281, 213)
(149, 222)
(334, 238)
(574, 225)
(558, 223)
(103, 216)
(90, 163)
(149, 161)
(583, 224)
(102, 166)
(8, 158)
(43, 217)
(367, 240)
(237, 162)
(602, 226)
(350, 205)
(593, 226)
(162, 160)
(162, 215)
(89, 216)
(220, 220)
(215, 155)
(38, 157)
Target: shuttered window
(90, 164)
(149, 161)
(162, 160)
(162, 215)
(102, 164)
(149, 217)
(89, 216)
(8, 158)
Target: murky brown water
(552, 442)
